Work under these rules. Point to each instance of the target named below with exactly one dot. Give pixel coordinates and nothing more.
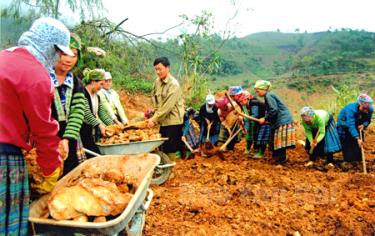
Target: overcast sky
(147, 16)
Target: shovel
(207, 143)
(315, 140)
(224, 146)
(238, 110)
(363, 154)
(189, 147)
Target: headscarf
(210, 99)
(107, 75)
(365, 100)
(41, 38)
(307, 113)
(262, 84)
(75, 42)
(234, 90)
(243, 95)
(92, 75)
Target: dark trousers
(174, 134)
(350, 149)
(72, 161)
(318, 151)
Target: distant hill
(271, 54)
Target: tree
(53, 7)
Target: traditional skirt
(331, 140)
(190, 136)
(264, 135)
(284, 137)
(14, 191)
(249, 126)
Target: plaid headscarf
(92, 75)
(307, 113)
(365, 100)
(75, 42)
(243, 95)
(234, 90)
(262, 84)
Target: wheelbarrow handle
(91, 152)
(148, 199)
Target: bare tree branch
(116, 27)
(165, 31)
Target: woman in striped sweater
(96, 116)
(68, 105)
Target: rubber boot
(259, 155)
(248, 148)
(172, 156)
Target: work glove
(48, 182)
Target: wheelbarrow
(131, 221)
(161, 172)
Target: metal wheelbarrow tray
(139, 166)
(131, 148)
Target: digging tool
(207, 143)
(363, 153)
(189, 147)
(238, 110)
(224, 146)
(315, 141)
(187, 144)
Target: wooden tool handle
(363, 153)
(238, 110)
(315, 141)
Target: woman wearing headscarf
(208, 111)
(228, 118)
(24, 115)
(111, 101)
(69, 102)
(283, 134)
(188, 131)
(352, 121)
(95, 115)
(250, 106)
(321, 134)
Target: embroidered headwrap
(262, 84)
(365, 100)
(234, 90)
(75, 42)
(44, 36)
(92, 75)
(307, 113)
(243, 95)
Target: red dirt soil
(243, 196)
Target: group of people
(273, 125)
(44, 105)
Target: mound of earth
(243, 196)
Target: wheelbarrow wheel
(161, 175)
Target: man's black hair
(163, 60)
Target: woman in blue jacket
(352, 121)
(283, 133)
